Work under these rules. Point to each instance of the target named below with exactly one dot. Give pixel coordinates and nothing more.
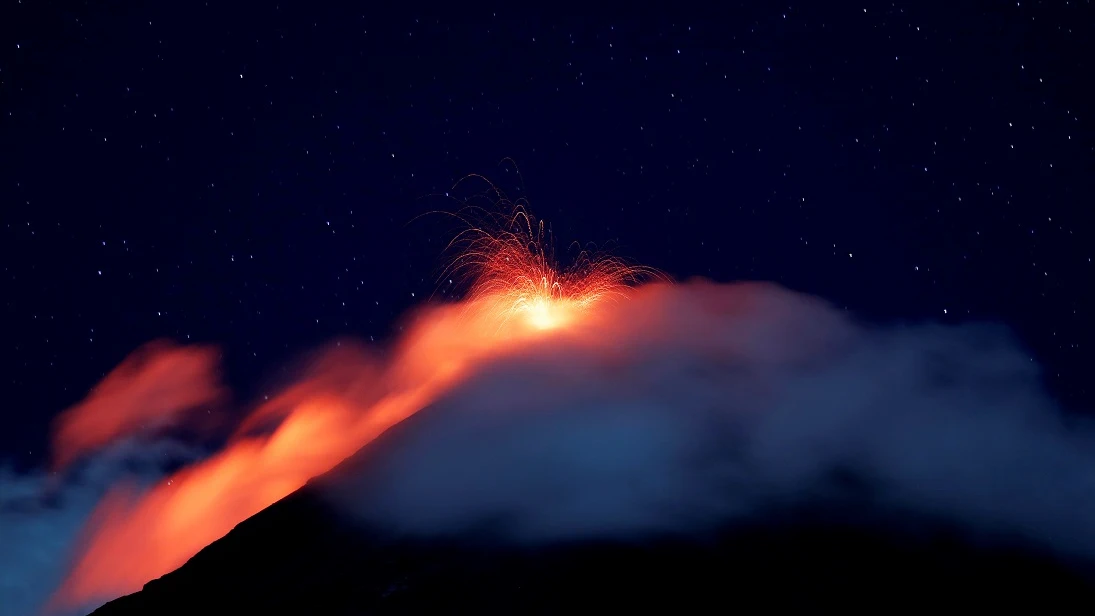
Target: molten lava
(349, 397)
(508, 259)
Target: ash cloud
(700, 404)
(680, 410)
(43, 516)
(115, 436)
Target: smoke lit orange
(349, 397)
(150, 389)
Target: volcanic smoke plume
(696, 404)
(556, 406)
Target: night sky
(249, 176)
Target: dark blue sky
(248, 177)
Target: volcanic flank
(729, 443)
(596, 435)
(303, 556)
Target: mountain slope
(303, 556)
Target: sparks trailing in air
(507, 257)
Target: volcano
(304, 555)
(696, 445)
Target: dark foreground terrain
(297, 558)
(301, 557)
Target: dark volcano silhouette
(304, 555)
(297, 558)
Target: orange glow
(149, 389)
(508, 256)
(348, 397)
